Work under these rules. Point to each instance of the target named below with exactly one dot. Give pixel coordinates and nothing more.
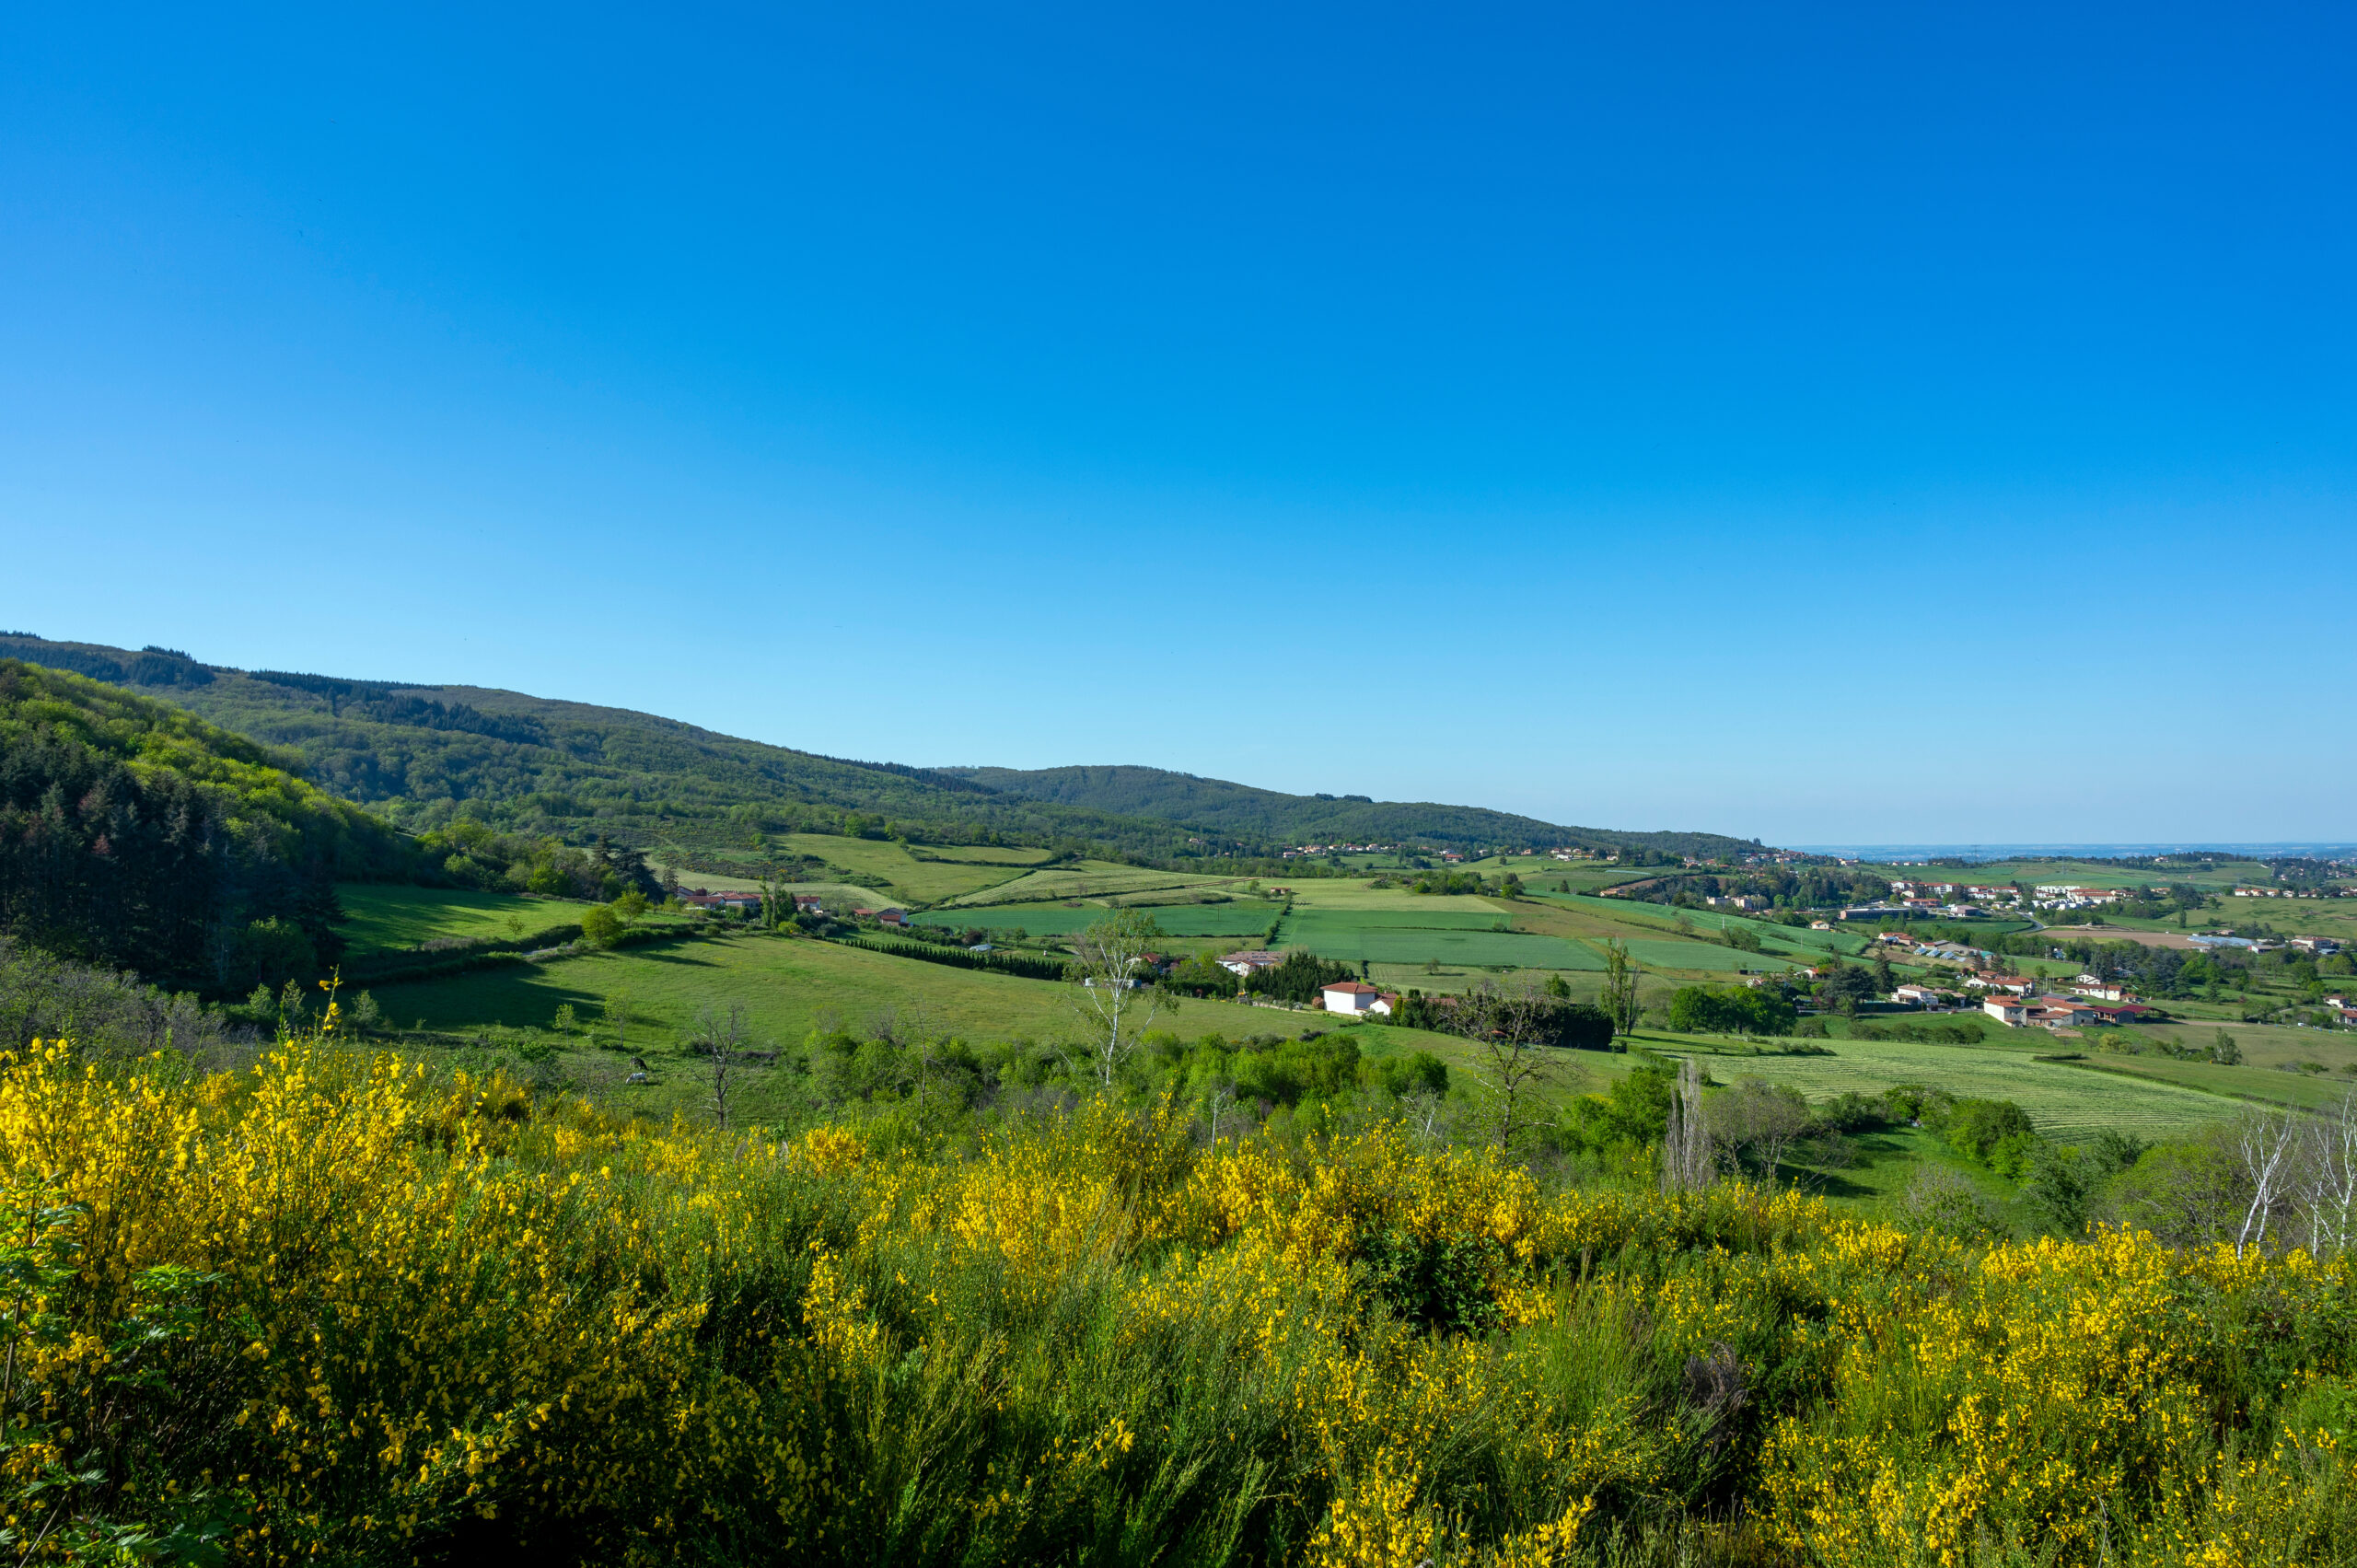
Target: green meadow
(384, 918)
(1239, 919)
(2061, 1097)
(1091, 879)
(1401, 945)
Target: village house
(2012, 984)
(1250, 960)
(2054, 1013)
(1354, 997)
(2102, 989)
(1921, 996)
(2005, 1009)
(736, 903)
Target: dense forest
(428, 757)
(132, 834)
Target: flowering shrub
(337, 1308)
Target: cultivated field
(913, 880)
(1342, 895)
(1092, 879)
(1404, 944)
(1239, 919)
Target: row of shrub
(1019, 964)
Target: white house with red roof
(1354, 996)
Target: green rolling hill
(422, 756)
(1243, 812)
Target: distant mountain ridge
(1244, 811)
(423, 755)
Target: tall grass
(336, 1309)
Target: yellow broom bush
(339, 1308)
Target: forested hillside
(1240, 811)
(134, 834)
(426, 755)
(422, 756)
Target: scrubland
(342, 1307)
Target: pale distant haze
(1832, 425)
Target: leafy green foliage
(1299, 977)
(133, 835)
(1730, 1009)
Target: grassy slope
(1242, 918)
(2060, 1097)
(382, 918)
(913, 880)
(1093, 879)
(787, 987)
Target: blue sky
(1824, 423)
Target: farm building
(1354, 996)
(1244, 963)
(2005, 1009)
(741, 903)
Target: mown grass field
(917, 874)
(2269, 1085)
(1092, 879)
(1339, 894)
(1672, 953)
(1401, 945)
(1240, 919)
(382, 918)
(984, 854)
(913, 880)
(2062, 1098)
(1444, 915)
(1658, 917)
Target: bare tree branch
(1114, 990)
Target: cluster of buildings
(2060, 1012)
(1938, 894)
(1916, 908)
(2320, 946)
(747, 902)
(2070, 896)
(2017, 999)
(1351, 998)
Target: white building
(1354, 997)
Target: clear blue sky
(1828, 423)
